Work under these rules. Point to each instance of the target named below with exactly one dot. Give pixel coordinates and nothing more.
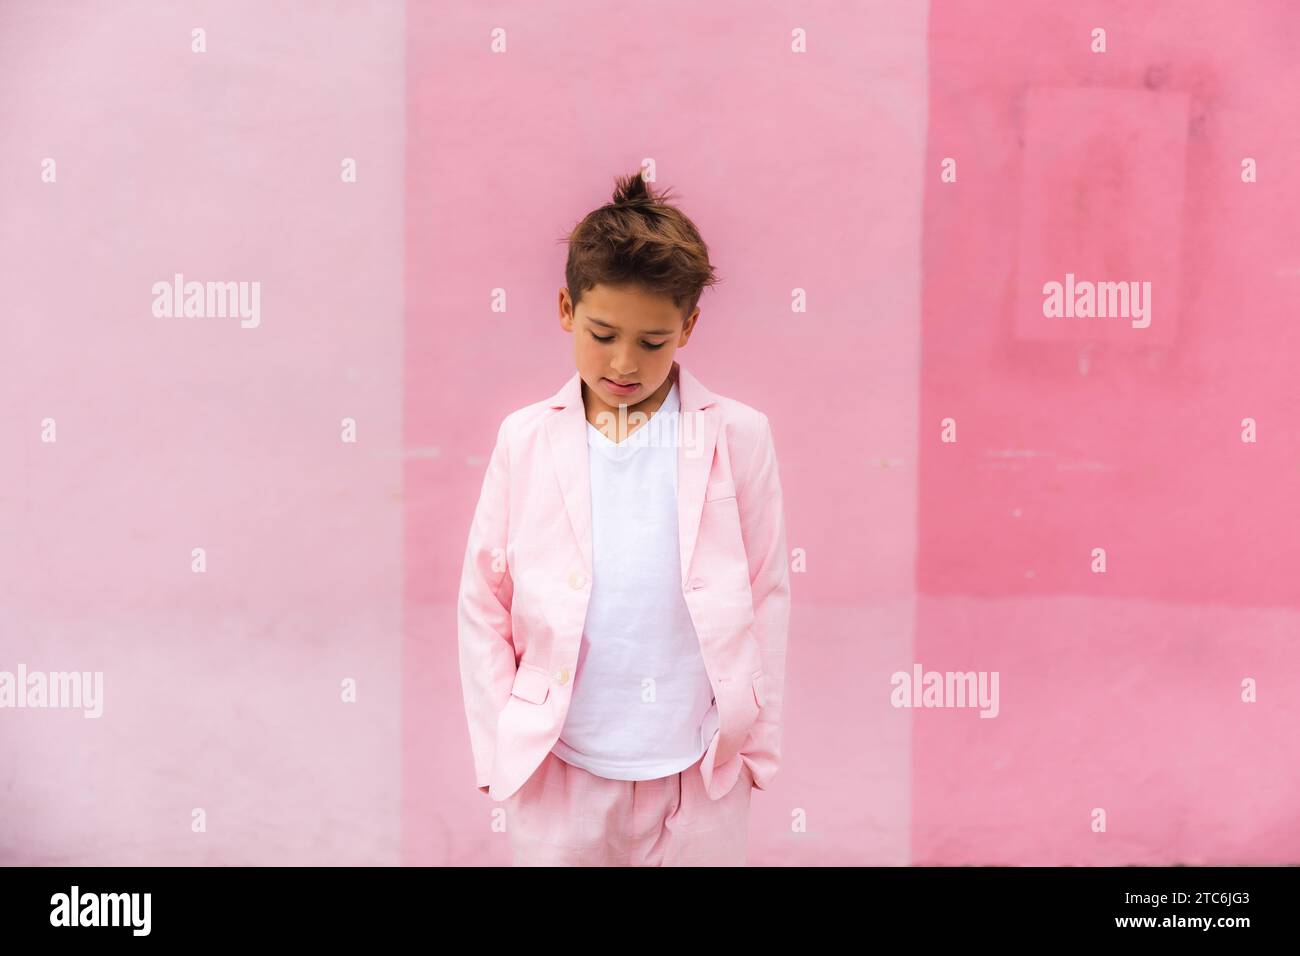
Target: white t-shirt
(642, 704)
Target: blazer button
(562, 676)
(577, 580)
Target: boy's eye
(610, 338)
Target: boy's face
(625, 334)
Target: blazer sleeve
(762, 522)
(487, 651)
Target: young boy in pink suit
(625, 598)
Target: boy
(625, 599)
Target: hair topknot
(639, 238)
(632, 189)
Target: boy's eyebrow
(605, 325)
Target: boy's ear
(689, 325)
(566, 311)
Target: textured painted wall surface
(1121, 691)
(951, 455)
(801, 171)
(221, 689)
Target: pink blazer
(527, 579)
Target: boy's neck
(617, 427)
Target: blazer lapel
(697, 435)
(567, 433)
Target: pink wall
(766, 150)
(1121, 690)
(330, 560)
(221, 689)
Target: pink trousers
(566, 816)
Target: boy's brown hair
(639, 239)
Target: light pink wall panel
(222, 689)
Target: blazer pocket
(723, 488)
(531, 684)
(758, 689)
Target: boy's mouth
(622, 389)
